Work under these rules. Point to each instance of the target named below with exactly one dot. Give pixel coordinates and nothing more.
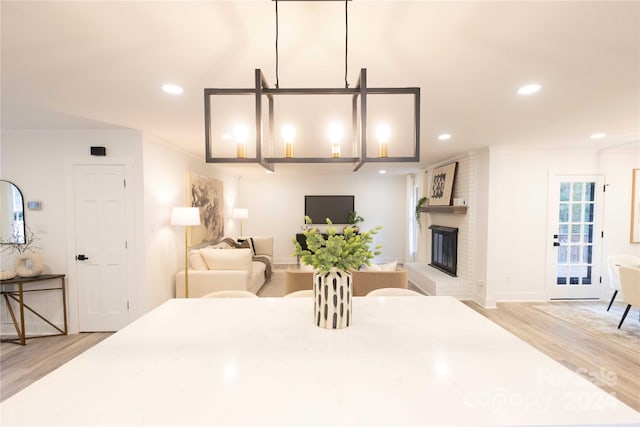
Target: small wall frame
(635, 206)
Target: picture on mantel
(207, 195)
(442, 181)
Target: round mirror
(11, 214)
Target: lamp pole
(185, 216)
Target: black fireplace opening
(444, 249)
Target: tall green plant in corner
(419, 205)
(340, 251)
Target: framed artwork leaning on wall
(206, 194)
(442, 180)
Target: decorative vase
(28, 265)
(332, 294)
(7, 274)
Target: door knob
(81, 257)
(556, 244)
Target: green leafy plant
(354, 218)
(341, 251)
(421, 202)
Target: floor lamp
(240, 213)
(186, 217)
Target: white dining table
(262, 361)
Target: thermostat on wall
(35, 205)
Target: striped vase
(332, 292)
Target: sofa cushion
(237, 259)
(196, 260)
(263, 245)
(305, 267)
(390, 266)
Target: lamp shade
(185, 216)
(240, 213)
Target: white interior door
(575, 236)
(101, 247)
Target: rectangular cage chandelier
(317, 125)
(224, 136)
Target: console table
(9, 292)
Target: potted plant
(332, 255)
(353, 219)
(419, 205)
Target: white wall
(481, 181)
(276, 208)
(35, 161)
(617, 164)
(518, 213)
(165, 174)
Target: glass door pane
(575, 233)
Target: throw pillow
(196, 260)
(305, 267)
(372, 267)
(221, 245)
(390, 266)
(247, 243)
(239, 259)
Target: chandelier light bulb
(335, 133)
(335, 136)
(241, 134)
(288, 133)
(383, 132)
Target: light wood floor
(612, 367)
(574, 347)
(23, 365)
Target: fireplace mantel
(445, 209)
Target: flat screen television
(336, 208)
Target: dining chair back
(393, 292)
(303, 293)
(630, 281)
(231, 294)
(614, 262)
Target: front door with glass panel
(575, 218)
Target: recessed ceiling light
(268, 171)
(598, 135)
(444, 136)
(529, 89)
(172, 89)
(382, 171)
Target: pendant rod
(277, 78)
(346, 41)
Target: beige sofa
(215, 269)
(363, 281)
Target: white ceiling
(92, 64)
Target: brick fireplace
(444, 249)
